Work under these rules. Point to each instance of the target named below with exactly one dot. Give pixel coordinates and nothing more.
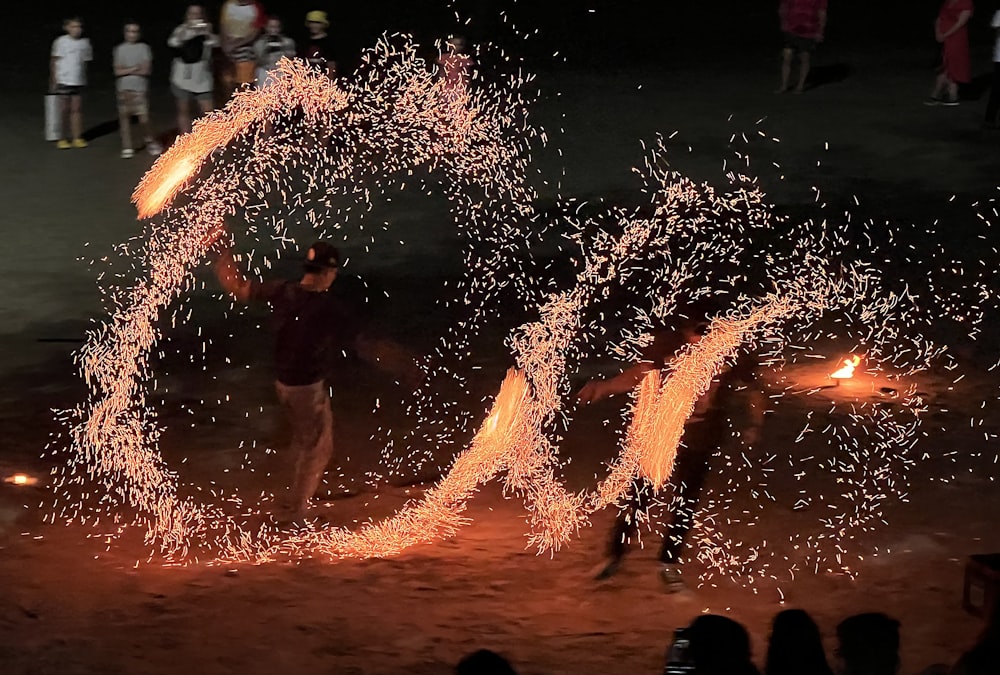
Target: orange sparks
(289, 83)
(399, 120)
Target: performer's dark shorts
(67, 90)
(193, 95)
(799, 44)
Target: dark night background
(611, 75)
(662, 34)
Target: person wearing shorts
(133, 63)
(803, 23)
(68, 76)
(240, 23)
(191, 70)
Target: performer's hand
(593, 391)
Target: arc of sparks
(117, 440)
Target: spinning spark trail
(396, 123)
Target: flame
(20, 479)
(847, 371)
(175, 172)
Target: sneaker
(609, 570)
(154, 148)
(63, 144)
(128, 153)
(951, 102)
(79, 143)
(932, 101)
(670, 576)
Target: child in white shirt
(133, 63)
(68, 76)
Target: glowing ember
(21, 479)
(847, 371)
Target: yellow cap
(317, 16)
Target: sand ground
(70, 603)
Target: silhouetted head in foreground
(719, 646)
(484, 662)
(796, 647)
(984, 657)
(868, 645)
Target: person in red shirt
(803, 23)
(952, 30)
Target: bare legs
(942, 84)
(804, 64)
(184, 111)
(72, 108)
(183, 114)
(786, 70)
(125, 125)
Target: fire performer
(704, 432)
(312, 322)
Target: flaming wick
(847, 371)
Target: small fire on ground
(846, 372)
(20, 479)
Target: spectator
(318, 50)
(484, 662)
(952, 30)
(803, 23)
(270, 48)
(133, 63)
(868, 644)
(796, 647)
(719, 646)
(191, 71)
(240, 23)
(993, 107)
(67, 77)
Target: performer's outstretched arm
(230, 277)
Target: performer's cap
(321, 256)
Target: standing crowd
(803, 27)
(251, 43)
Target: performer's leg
(321, 450)
(688, 479)
(626, 525)
(308, 411)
